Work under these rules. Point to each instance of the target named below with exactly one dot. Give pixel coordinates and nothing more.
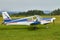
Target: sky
(25, 5)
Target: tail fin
(6, 17)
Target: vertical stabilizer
(6, 17)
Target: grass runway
(18, 32)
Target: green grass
(24, 33)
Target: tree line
(56, 12)
(30, 13)
(36, 12)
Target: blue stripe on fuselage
(7, 20)
(46, 19)
(18, 20)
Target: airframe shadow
(28, 28)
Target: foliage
(35, 12)
(56, 12)
(29, 13)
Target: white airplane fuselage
(26, 21)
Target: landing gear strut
(33, 27)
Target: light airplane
(31, 20)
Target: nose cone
(53, 18)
